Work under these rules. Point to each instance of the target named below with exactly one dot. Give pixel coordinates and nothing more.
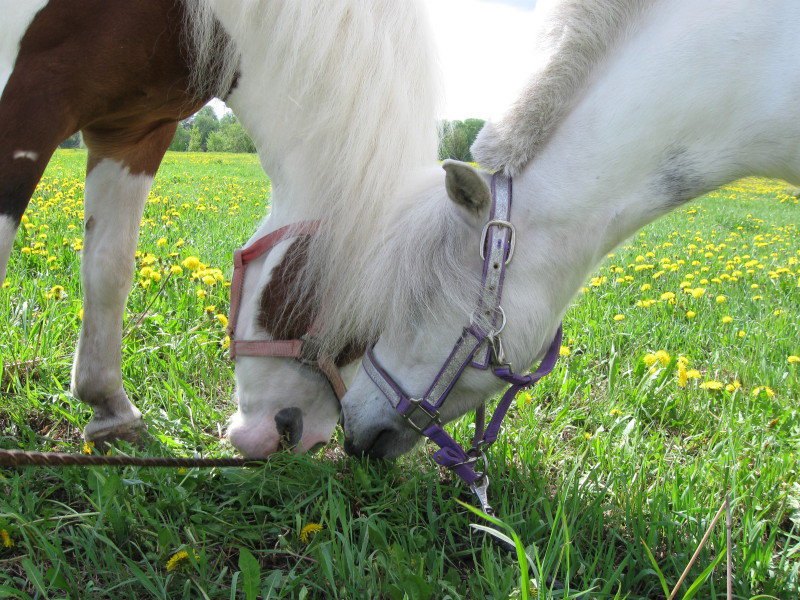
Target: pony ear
(467, 187)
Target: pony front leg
(114, 201)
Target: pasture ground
(679, 384)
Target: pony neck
(667, 117)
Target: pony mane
(354, 87)
(575, 36)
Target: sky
(485, 54)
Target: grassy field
(679, 384)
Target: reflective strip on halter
(276, 348)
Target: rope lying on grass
(21, 458)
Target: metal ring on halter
(511, 242)
(502, 323)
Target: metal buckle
(309, 351)
(416, 404)
(481, 489)
(511, 242)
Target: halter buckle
(511, 241)
(416, 404)
(481, 489)
(309, 351)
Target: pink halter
(304, 349)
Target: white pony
(339, 98)
(637, 107)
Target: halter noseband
(479, 346)
(306, 349)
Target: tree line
(205, 132)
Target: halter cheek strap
(305, 350)
(479, 346)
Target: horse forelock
(575, 35)
(358, 98)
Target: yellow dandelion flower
(56, 292)
(222, 319)
(179, 560)
(693, 374)
(201, 294)
(564, 351)
(587, 436)
(727, 319)
(663, 357)
(155, 276)
(148, 259)
(211, 308)
(161, 242)
(682, 360)
(5, 537)
(191, 263)
(698, 292)
(668, 296)
(741, 333)
(758, 297)
(721, 299)
(209, 280)
(681, 376)
(309, 531)
(226, 343)
(615, 412)
(763, 388)
(619, 317)
(711, 385)
(793, 359)
(650, 359)
(645, 287)
(690, 314)
(176, 270)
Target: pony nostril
(289, 423)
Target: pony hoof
(102, 434)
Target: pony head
(286, 391)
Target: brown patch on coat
(118, 71)
(280, 312)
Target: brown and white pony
(338, 97)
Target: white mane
(575, 36)
(358, 87)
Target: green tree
(230, 137)
(457, 137)
(180, 142)
(73, 141)
(203, 124)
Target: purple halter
(476, 347)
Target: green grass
(603, 465)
